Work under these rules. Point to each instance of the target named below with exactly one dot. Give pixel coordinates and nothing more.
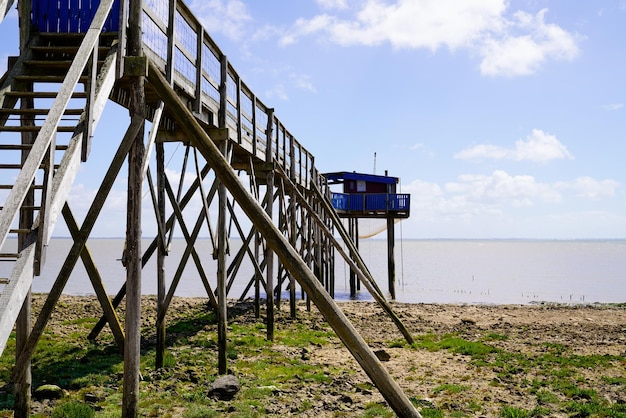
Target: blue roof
(340, 176)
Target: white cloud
(303, 82)
(518, 55)
(417, 146)
(277, 92)
(537, 147)
(332, 4)
(590, 188)
(408, 23)
(509, 46)
(613, 106)
(502, 188)
(228, 17)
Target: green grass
(552, 374)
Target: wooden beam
(61, 185)
(96, 281)
(390, 390)
(5, 7)
(49, 127)
(357, 266)
(132, 318)
(74, 254)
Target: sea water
(427, 271)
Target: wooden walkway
(244, 159)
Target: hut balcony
(372, 205)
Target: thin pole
(161, 253)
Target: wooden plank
(96, 281)
(48, 130)
(15, 292)
(5, 8)
(132, 319)
(390, 390)
(75, 251)
(222, 243)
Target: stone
(382, 355)
(48, 392)
(225, 387)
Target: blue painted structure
(70, 16)
(368, 196)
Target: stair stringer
(21, 278)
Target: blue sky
(503, 119)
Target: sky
(502, 119)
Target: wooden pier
(155, 59)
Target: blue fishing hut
(370, 196)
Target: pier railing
(177, 42)
(363, 203)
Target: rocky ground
(452, 381)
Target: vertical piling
(132, 324)
(391, 261)
(21, 406)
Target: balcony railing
(371, 203)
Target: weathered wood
(48, 129)
(390, 390)
(161, 253)
(269, 262)
(391, 260)
(96, 281)
(21, 404)
(10, 300)
(77, 247)
(132, 322)
(222, 242)
(353, 259)
(5, 7)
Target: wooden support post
(293, 237)
(356, 245)
(79, 243)
(132, 323)
(269, 261)
(391, 261)
(269, 207)
(364, 355)
(222, 242)
(21, 404)
(351, 232)
(161, 253)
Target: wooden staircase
(51, 99)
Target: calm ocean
(429, 271)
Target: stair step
(25, 147)
(34, 128)
(10, 186)
(47, 78)
(49, 63)
(19, 231)
(55, 50)
(4, 256)
(17, 166)
(42, 94)
(74, 112)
